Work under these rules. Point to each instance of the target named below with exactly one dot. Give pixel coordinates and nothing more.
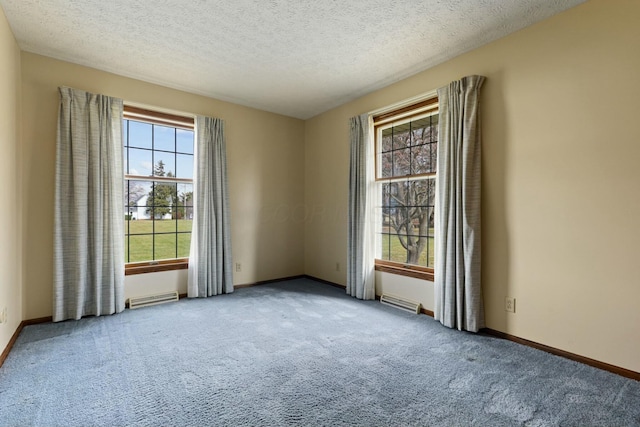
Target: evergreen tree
(163, 195)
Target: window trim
(385, 119)
(164, 119)
(158, 118)
(155, 266)
(389, 122)
(409, 270)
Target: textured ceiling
(298, 58)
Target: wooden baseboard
(37, 321)
(265, 282)
(567, 355)
(326, 282)
(16, 334)
(425, 311)
(12, 341)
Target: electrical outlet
(337, 266)
(510, 304)
(238, 267)
(3, 315)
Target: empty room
(301, 213)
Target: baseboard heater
(144, 301)
(401, 303)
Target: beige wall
(265, 154)
(11, 211)
(561, 172)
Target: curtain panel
(458, 292)
(360, 233)
(88, 207)
(210, 259)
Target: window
(406, 148)
(158, 189)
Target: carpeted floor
(295, 353)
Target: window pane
(165, 246)
(179, 210)
(139, 134)
(184, 225)
(433, 129)
(386, 165)
(185, 202)
(166, 225)
(385, 220)
(384, 246)
(158, 214)
(405, 216)
(430, 252)
(140, 248)
(430, 212)
(433, 154)
(140, 162)
(185, 193)
(384, 199)
(393, 192)
(140, 226)
(386, 140)
(164, 138)
(397, 252)
(136, 194)
(184, 242)
(165, 164)
(163, 200)
(401, 162)
(184, 141)
(401, 136)
(421, 159)
(419, 131)
(184, 166)
(423, 191)
(408, 219)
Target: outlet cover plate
(510, 305)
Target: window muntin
(158, 158)
(406, 231)
(406, 150)
(408, 147)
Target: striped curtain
(458, 292)
(89, 207)
(210, 259)
(360, 254)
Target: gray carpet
(295, 353)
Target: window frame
(164, 119)
(417, 109)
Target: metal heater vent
(401, 303)
(137, 302)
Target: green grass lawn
(140, 246)
(392, 250)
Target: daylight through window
(406, 149)
(158, 181)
